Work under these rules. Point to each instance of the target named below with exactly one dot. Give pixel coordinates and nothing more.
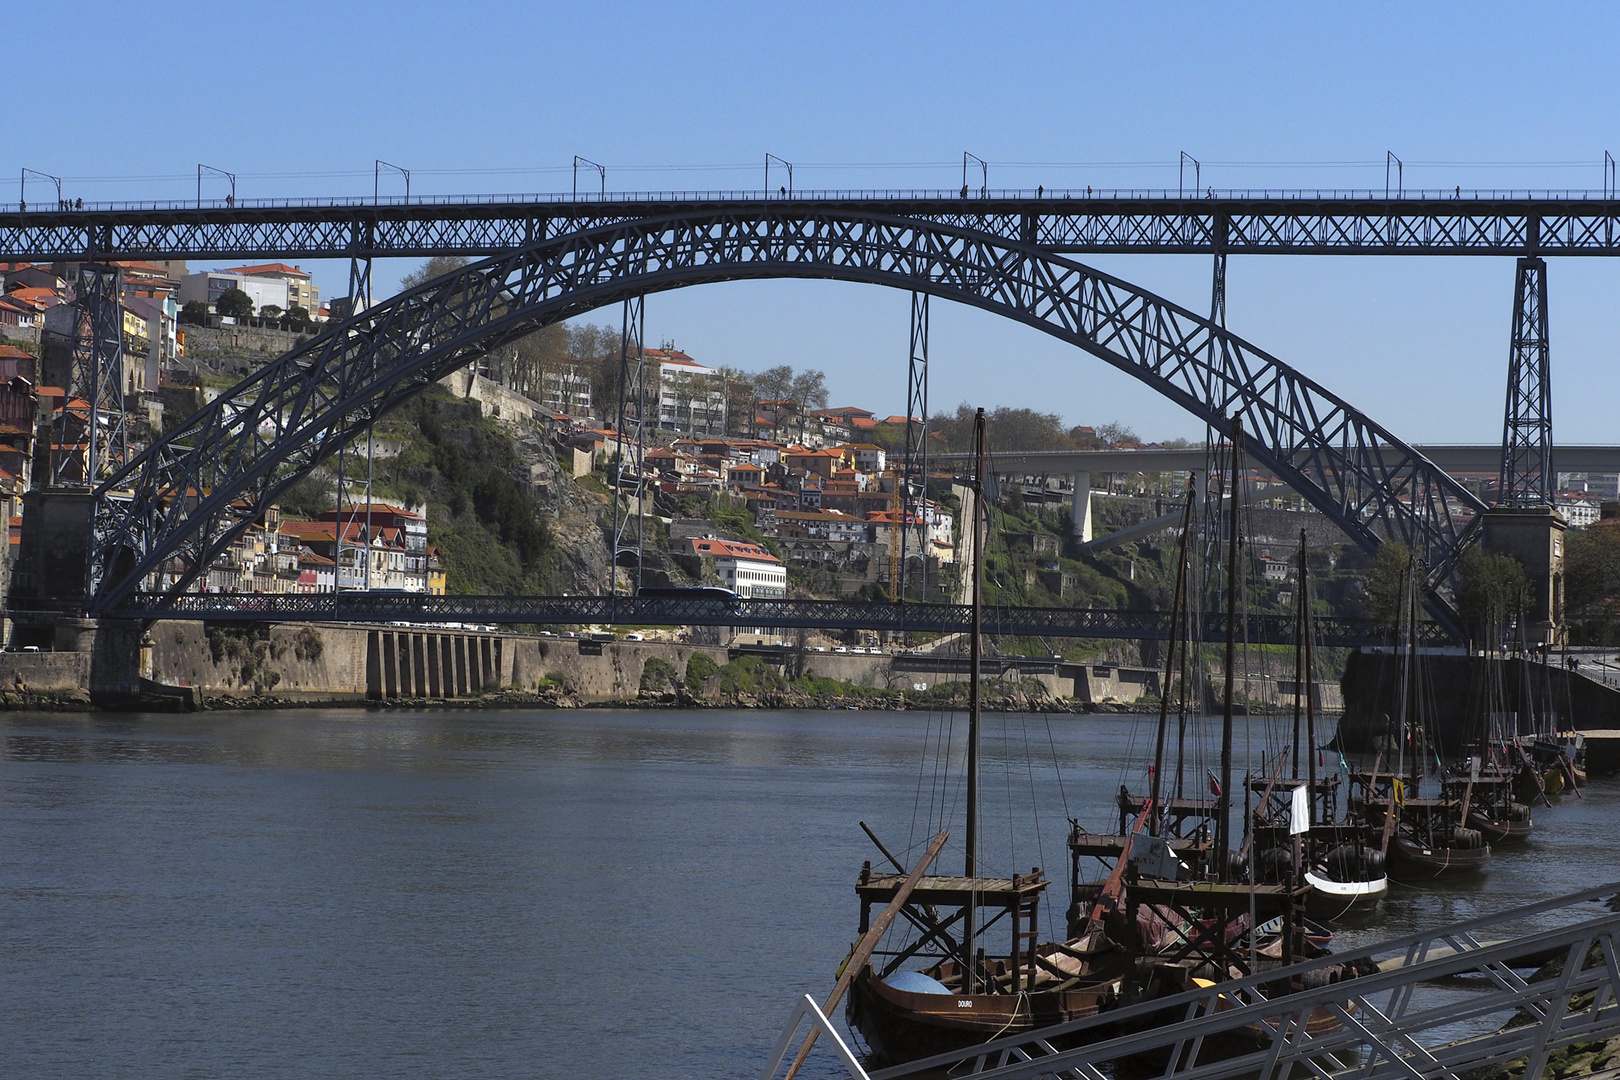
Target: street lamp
(22, 195)
(231, 199)
(376, 179)
(788, 165)
(984, 174)
(600, 169)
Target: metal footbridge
(1442, 1005)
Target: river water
(523, 894)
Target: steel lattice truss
(1071, 223)
(1387, 1026)
(363, 607)
(1527, 477)
(181, 503)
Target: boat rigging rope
(1040, 846)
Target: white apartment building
(566, 390)
(209, 285)
(301, 290)
(691, 397)
(746, 569)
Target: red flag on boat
(1214, 786)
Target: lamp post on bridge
(376, 180)
(601, 171)
(984, 174)
(1181, 175)
(22, 196)
(230, 200)
(788, 191)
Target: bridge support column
(628, 527)
(1533, 535)
(461, 665)
(435, 667)
(374, 677)
(915, 468)
(1080, 517)
(1527, 477)
(390, 665)
(447, 666)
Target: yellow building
(435, 573)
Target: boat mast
(1223, 804)
(973, 653)
(969, 915)
(1170, 663)
(1299, 649)
(1306, 625)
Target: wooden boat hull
(1331, 900)
(1498, 831)
(1410, 861)
(901, 1026)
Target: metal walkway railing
(1388, 1024)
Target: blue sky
(494, 97)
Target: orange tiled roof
(266, 268)
(734, 548)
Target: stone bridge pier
(410, 662)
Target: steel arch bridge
(188, 496)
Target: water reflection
(422, 893)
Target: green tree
(698, 670)
(659, 675)
(1387, 578)
(808, 390)
(195, 313)
(271, 313)
(1592, 582)
(1493, 589)
(741, 402)
(437, 266)
(235, 303)
(1006, 429)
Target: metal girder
(1386, 1028)
(1293, 223)
(628, 523)
(97, 376)
(913, 474)
(200, 486)
(1527, 477)
(776, 614)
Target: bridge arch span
(182, 501)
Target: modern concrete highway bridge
(1458, 460)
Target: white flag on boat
(1299, 821)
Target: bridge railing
(565, 198)
(1377, 1026)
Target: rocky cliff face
(573, 512)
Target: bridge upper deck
(1291, 222)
